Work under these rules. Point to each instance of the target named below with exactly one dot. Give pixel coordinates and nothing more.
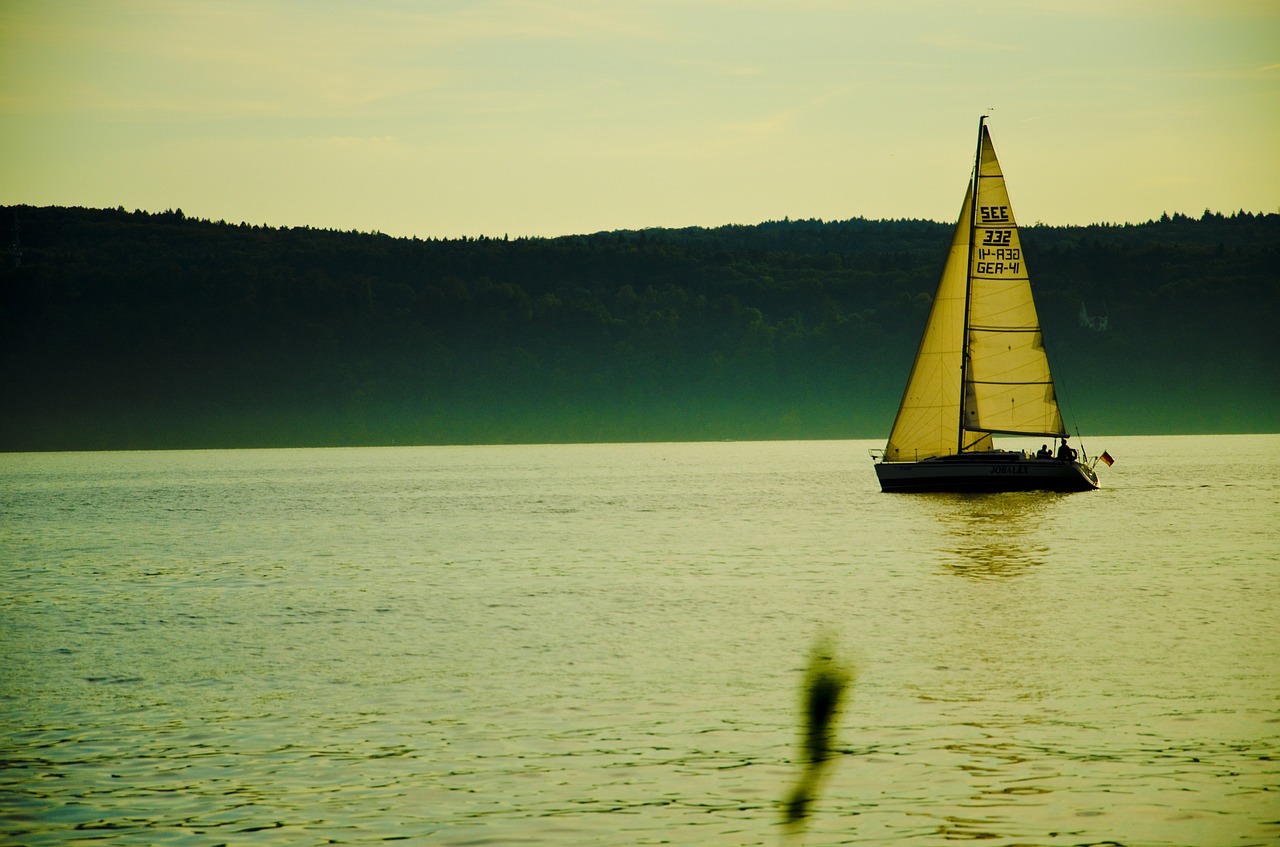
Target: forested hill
(130, 330)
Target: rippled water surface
(604, 645)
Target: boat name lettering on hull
(1009, 469)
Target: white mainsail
(982, 355)
(1007, 375)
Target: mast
(968, 288)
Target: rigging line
(1060, 387)
(976, 184)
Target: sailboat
(981, 368)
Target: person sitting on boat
(1044, 452)
(1065, 453)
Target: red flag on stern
(1106, 457)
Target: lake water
(604, 644)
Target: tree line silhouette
(135, 330)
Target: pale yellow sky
(550, 117)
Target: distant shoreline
(1086, 438)
(124, 330)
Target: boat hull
(984, 472)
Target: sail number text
(995, 253)
(998, 260)
(995, 214)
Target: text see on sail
(981, 368)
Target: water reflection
(990, 536)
